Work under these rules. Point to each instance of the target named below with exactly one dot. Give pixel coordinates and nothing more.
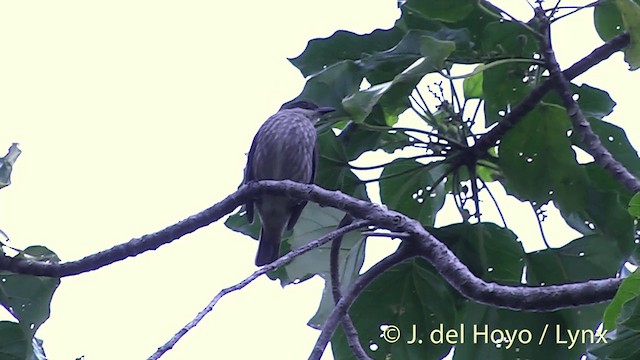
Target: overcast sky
(133, 115)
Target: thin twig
(495, 202)
(334, 265)
(263, 270)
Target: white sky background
(133, 115)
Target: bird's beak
(325, 110)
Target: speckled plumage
(283, 148)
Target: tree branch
(527, 298)
(581, 125)
(527, 104)
(345, 302)
(285, 259)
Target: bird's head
(311, 110)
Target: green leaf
(343, 45)
(238, 223)
(631, 20)
(612, 18)
(331, 85)
(586, 258)
(28, 297)
(604, 211)
(392, 93)
(621, 345)
(489, 251)
(634, 205)
(314, 222)
(503, 88)
(384, 66)
(358, 138)
(6, 165)
(333, 171)
(407, 295)
(472, 86)
(445, 11)
(508, 39)
(538, 162)
(614, 139)
(480, 321)
(406, 187)
(350, 264)
(607, 20)
(14, 344)
(628, 290)
(593, 102)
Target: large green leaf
(333, 171)
(406, 297)
(28, 297)
(604, 212)
(331, 85)
(343, 45)
(445, 11)
(314, 222)
(503, 89)
(624, 342)
(628, 290)
(508, 39)
(406, 186)
(538, 162)
(614, 138)
(386, 65)
(14, 344)
(535, 335)
(489, 251)
(613, 17)
(359, 138)
(586, 258)
(394, 94)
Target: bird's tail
(269, 247)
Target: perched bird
(284, 148)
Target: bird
(284, 148)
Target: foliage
(535, 162)
(26, 298)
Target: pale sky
(133, 115)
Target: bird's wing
(296, 210)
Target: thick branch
(544, 298)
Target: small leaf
(472, 86)
(631, 20)
(629, 289)
(406, 186)
(634, 205)
(27, 297)
(615, 17)
(6, 165)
